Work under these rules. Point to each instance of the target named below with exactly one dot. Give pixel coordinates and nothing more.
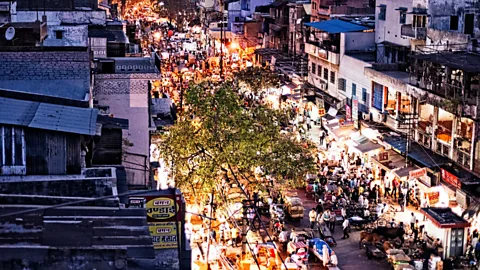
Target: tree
(224, 136)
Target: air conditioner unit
(366, 116)
(323, 86)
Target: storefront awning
(421, 155)
(368, 146)
(340, 131)
(405, 172)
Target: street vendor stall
(449, 228)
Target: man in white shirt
(345, 226)
(360, 201)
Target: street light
(161, 4)
(233, 45)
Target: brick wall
(45, 65)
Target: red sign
(418, 173)
(383, 156)
(451, 179)
(321, 112)
(433, 197)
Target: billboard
(162, 208)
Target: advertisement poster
(433, 197)
(348, 113)
(162, 208)
(355, 112)
(164, 234)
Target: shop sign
(355, 112)
(450, 178)
(136, 202)
(164, 234)
(418, 173)
(383, 156)
(462, 199)
(161, 208)
(348, 113)
(321, 106)
(433, 197)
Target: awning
(337, 26)
(308, 9)
(340, 131)
(367, 147)
(332, 112)
(405, 172)
(418, 153)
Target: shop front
(385, 163)
(443, 132)
(463, 141)
(447, 226)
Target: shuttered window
(11, 146)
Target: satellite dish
(10, 33)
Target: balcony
(324, 52)
(414, 32)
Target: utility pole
(210, 229)
(221, 42)
(244, 226)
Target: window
(11, 146)
(354, 90)
(403, 17)
(332, 76)
(325, 74)
(342, 84)
(378, 96)
(319, 71)
(313, 68)
(383, 12)
(364, 95)
(58, 34)
(453, 22)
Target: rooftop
(337, 26)
(48, 116)
(467, 61)
(445, 218)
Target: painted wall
(97, 17)
(357, 41)
(352, 75)
(390, 28)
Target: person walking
(312, 216)
(333, 219)
(345, 226)
(413, 220)
(326, 218)
(234, 233)
(283, 239)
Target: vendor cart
(373, 252)
(317, 247)
(358, 222)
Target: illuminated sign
(418, 173)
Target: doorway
(469, 20)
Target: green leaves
(218, 133)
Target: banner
(383, 156)
(321, 107)
(450, 178)
(417, 173)
(433, 197)
(164, 234)
(162, 208)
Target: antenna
(10, 33)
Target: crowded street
(351, 212)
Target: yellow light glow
(157, 35)
(234, 45)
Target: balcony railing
(414, 32)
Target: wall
(441, 10)
(72, 36)
(97, 17)
(357, 41)
(390, 28)
(315, 79)
(126, 95)
(351, 75)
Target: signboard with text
(164, 234)
(462, 199)
(355, 113)
(417, 173)
(450, 178)
(321, 107)
(162, 208)
(383, 156)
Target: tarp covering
(337, 26)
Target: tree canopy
(223, 136)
